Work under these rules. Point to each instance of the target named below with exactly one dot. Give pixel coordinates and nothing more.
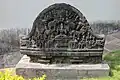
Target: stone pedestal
(60, 71)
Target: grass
(113, 59)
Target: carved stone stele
(61, 34)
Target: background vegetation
(105, 27)
(9, 39)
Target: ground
(112, 42)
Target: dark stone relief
(59, 32)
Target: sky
(22, 13)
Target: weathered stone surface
(60, 71)
(62, 32)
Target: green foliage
(41, 78)
(7, 75)
(113, 58)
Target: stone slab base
(60, 71)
